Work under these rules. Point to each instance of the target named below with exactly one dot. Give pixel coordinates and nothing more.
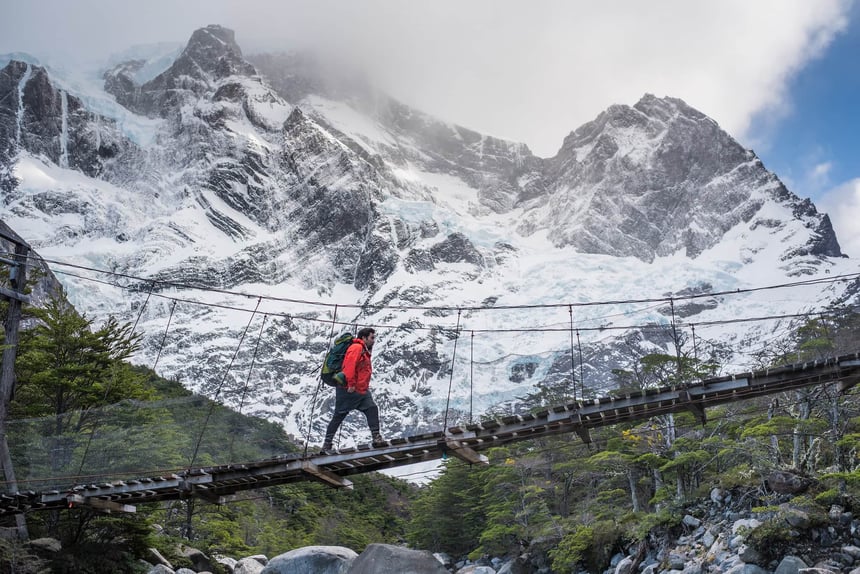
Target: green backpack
(333, 363)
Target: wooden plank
(107, 506)
(465, 453)
(326, 476)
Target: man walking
(354, 391)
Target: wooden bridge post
(15, 296)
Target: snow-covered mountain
(266, 176)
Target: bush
(772, 539)
(591, 545)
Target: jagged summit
(211, 54)
(655, 178)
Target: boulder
(259, 558)
(787, 483)
(200, 561)
(160, 569)
(625, 566)
(46, 544)
(444, 559)
(475, 569)
(387, 559)
(227, 562)
(795, 517)
(852, 551)
(749, 555)
(156, 558)
(745, 524)
(746, 569)
(693, 568)
(790, 565)
(248, 566)
(691, 521)
(717, 495)
(708, 539)
(185, 571)
(313, 560)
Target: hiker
(353, 391)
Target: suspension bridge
(217, 483)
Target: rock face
(312, 560)
(270, 176)
(387, 559)
(658, 178)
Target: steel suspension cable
(164, 337)
(248, 379)
(471, 375)
(113, 379)
(451, 378)
(572, 366)
(220, 385)
(581, 377)
(319, 386)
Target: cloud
(528, 71)
(843, 205)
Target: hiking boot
(326, 448)
(377, 439)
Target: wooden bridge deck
(216, 483)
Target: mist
(530, 72)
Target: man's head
(367, 335)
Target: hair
(365, 333)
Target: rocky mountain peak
(212, 50)
(666, 177)
(211, 55)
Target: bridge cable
(695, 346)
(110, 385)
(164, 337)
(451, 378)
(572, 365)
(675, 340)
(471, 375)
(581, 376)
(220, 385)
(319, 386)
(815, 281)
(248, 380)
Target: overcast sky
(532, 71)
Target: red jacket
(357, 367)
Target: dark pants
(344, 403)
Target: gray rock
(745, 524)
(388, 559)
(185, 571)
(260, 558)
(787, 483)
(650, 569)
(160, 569)
(155, 556)
(708, 539)
(746, 569)
(311, 560)
(677, 561)
(749, 555)
(691, 521)
(736, 541)
(475, 569)
(248, 566)
(444, 559)
(852, 551)
(795, 517)
(200, 561)
(790, 565)
(717, 494)
(818, 570)
(226, 562)
(47, 544)
(624, 566)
